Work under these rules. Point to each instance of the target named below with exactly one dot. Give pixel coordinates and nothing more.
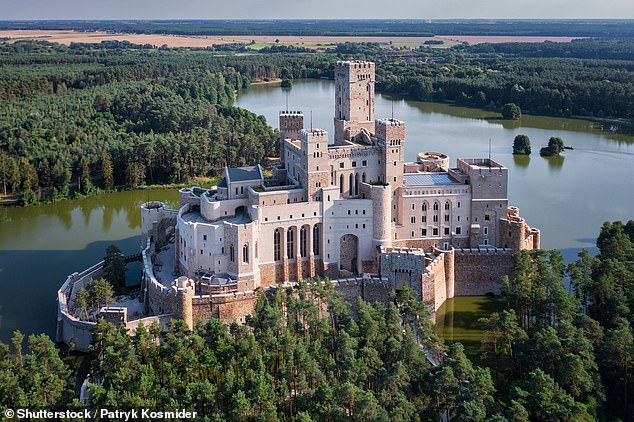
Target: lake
(41, 245)
(568, 198)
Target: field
(496, 39)
(68, 36)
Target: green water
(457, 319)
(41, 245)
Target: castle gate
(349, 253)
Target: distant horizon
(38, 10)
(417, 20)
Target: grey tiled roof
(242, 174)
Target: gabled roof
(243, 174)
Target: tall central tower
(354, 99)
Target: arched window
(245, 253)
(277, 237)
(435, 206)
(351, 184)
(341, 184)
(363, 177)
(302, 241)
(447, 206)
(290, 244)
(232, 256)
(424, 206)
(356, 184)
(316, 239)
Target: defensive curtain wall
(179, 301)
(435, 277)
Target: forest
(115, 115)
(306, 354)
(78, 118)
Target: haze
(304, 9)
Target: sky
(306, 9)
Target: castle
(350, 209)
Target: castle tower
(354, 99)
(391, 134)
(314, 161)
(291, 123)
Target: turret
(184, 306)
(381, 210)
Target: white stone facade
(333, 205)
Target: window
(231, 254)
(302, 241)
(458, 204)
(277, 237)
(487, 217)
(290, 244)
(446, 230)
(458, 230)
(446, 206)
(424, 232)
(204, 237)
(486, 231)
(245, 253)
(354, 164)
(413, 220)
(435, 206)
(364, 163)
(424, 206)
(435, 232)
(446, 217)
(435, 218)
(341, 184)
(340, 165)
(424, 219)
(316, 239)
(486, 241)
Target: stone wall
(479, 272)
(69, 327)
(369, 289)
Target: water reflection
(555, 162)
(521, 160)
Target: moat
(39, 246)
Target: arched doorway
(349, 253)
